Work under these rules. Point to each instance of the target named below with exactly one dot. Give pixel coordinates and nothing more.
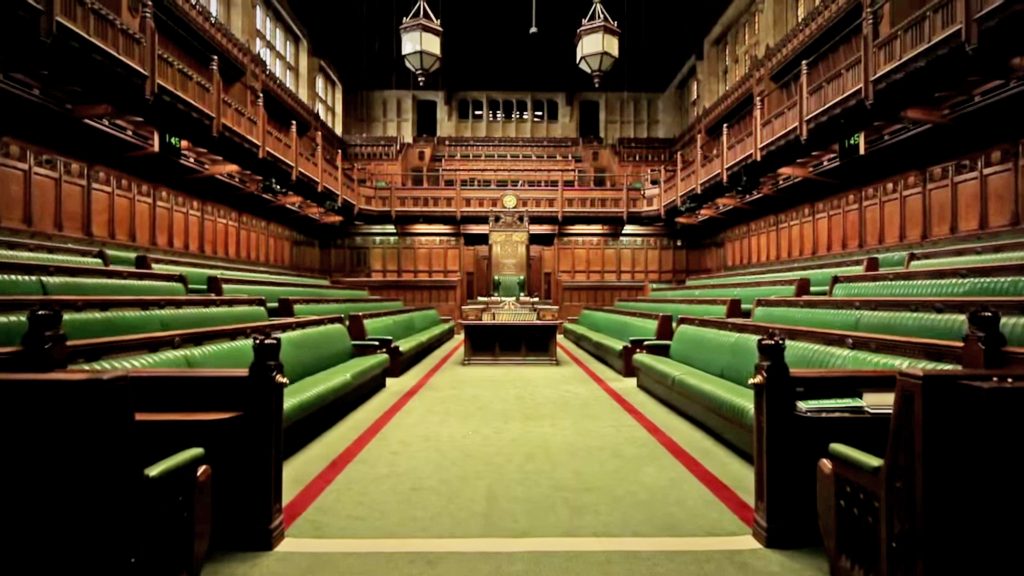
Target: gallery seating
(938, 496)
(1003, 252)
(615, 336)
(406, 334)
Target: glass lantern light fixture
(597, 43)
(421, 41)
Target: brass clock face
(509, 201)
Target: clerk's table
(510, 333)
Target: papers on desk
(831, 405)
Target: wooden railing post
(679, 178)
(458, 196)
(48, 23)
(218, 95)
(561, 194)
(758, 135)
(725, 152)
(261, 112)
(802, 101)
(661, 192)
(969, 29)
(625, 198)
(150, 49)
(867, 58)
(700, 158)
(319, 156)
(293, 133)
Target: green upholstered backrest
(397, 327)
(73, 286)
(747, 295)
(618, 326)
(509, 286)
(345, 308)
(676, 310)
(732, 355)
(821, 277)
(272, 293)
(303, 353)
(891, 260)
(1010, 257)
(313, 350)
(190, 319)
(12, 328)
(120, 258)
(1013, 328)
(197, 276)
(47, 258)
(426, 319)
(826, 318)
(932, 288)
(19, 285)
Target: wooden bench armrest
(657, 347)
(639, 341)
(572, 319)
(366, 348)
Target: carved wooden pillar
(293, 135)
(758, 135)
(319, 161)
(679, 179)
(867, 58)
(725, 149)
(802, 101)
(218, 94)
(261, 112)
(148, 29)
(700, 157)
(661, 192)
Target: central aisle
(457, 471)
(532, 451)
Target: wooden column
(261, 113)
(725, 148)
(700, 157)
(218, 95)
(867, 58)
(758, 135)
(293, 133)
(319, 161)
(148, 29)
(802, 101)
(969, 30)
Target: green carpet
(511, 452)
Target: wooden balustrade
(185, 82)
(928, 25)
(280, 145)
(836, 85)
(93, 20)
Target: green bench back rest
(821, 277)
(307, 352)
(346, 308)
(120, 258)
(676, 310)
(618, 326)
(828, 319)
(891, 260)
(732, 355)
(397, 327)
(19, 285)
(426, 319)
(197, 276)
(747, 295)
(272, 293)
(47, 258)
(1013, 328)
(73, 286)
(303, 353)
(932, 288)
(1012, 257)
(12, 328)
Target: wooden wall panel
(977, 193)
(47, 193)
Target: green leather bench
(615, 336)
(676, 307)
(27, 285)
(288, 307)
(407, 334)
(706, 374)
(1011, 257)
(198, 277)
(819, 278)
(49, 258)
(111, 323)
(928, 318)
(320, 364)
(997, 281)
(746, 292)
(122, 258)
(274, 291)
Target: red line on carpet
(310, 492)
(714, 484)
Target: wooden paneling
(978, 193)
(574, 295)
(616, 259)
(47, 193)
(445, 294)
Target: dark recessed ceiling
(487, 44)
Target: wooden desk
(510, 342)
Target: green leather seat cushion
(120, 258)
(820, 277)
(618, 326)
(735, 403)
(198, 276)
(47, 258)
(307, 395)
(746, 295)
(344, 309)
(934, 288)
(18, 285)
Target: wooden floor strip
(516, 545)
